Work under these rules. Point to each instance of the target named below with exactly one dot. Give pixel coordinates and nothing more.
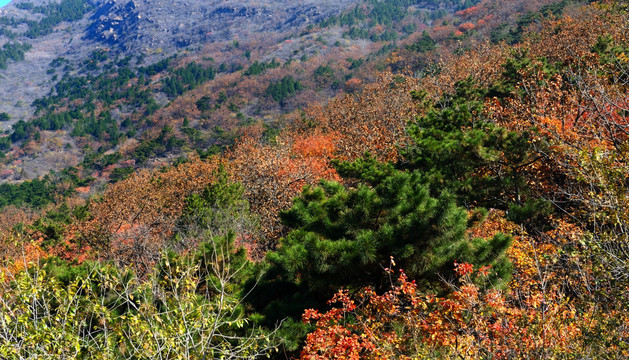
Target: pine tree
(343, 237)
(456, 147)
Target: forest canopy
(453, 199)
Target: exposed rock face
(111, 23)
(301, 15)
(137, 24)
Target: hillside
(382, 179)
(155, 29)
(120, 80)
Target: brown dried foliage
(135, 217)
(372, 121)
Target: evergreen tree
(455, 147)
(343, 237)
(424, 44)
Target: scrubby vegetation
(470, 208)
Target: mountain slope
(156, 29)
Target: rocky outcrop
(112, 23)
(169, 25)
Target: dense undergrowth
(478, 211)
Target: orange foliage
(353, 85)
(465, 27)
(467, 12)
(441, 32)
(21, 255)
(482, 63)
(82, 189)
(405, 324)
(273, 174)
(373, 121)
(578, 118)
(494, 223)
(368, 337)
(314, 145)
